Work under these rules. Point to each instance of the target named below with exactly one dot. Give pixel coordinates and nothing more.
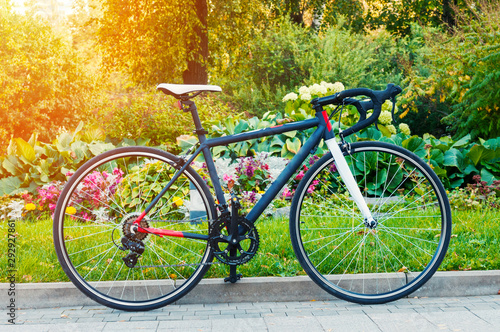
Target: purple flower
(250, 171)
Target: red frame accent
(327, 120)
(160, 232)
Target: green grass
(474, 246)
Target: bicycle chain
(181, 221)
(175, 265)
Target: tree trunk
(449, 14)
(196, 72)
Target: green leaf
(10, 164)
(186, 142)
(416, 145)
(98, 147)
(143, 141)
(462, 142)
(81, 151)
(241, 127)
(291, 134)
(26, 150)
(9, 185)
(293, 145)
(453, 157)
(94, 134)
(63, 141)
(437, 157)
(479, 153)
(439, 171)
(488, 177)
(277, 141)
(383, 129)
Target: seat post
(199, 130)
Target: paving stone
(346, 323)
(126, 326)
(293, 323)
(257, 311)
(467, 313)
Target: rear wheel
(366, 264)
(98, 207)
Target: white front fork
(350, 182)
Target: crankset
(234, 250)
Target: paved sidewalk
(479, 313)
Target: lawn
(474, 246)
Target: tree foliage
(150, 40)
(43, 85)
(397, 16)
(462, 71)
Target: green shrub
(287, 56)
(357, 60)
(43, 86)
(276, 61)
(152, 116)
(458, 75)
(32, 164)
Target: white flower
(337, 87)
(290, 96)
(405, 129)
(385, 118)
(392, 129)
(16, 209)
(317, 89)
(387, 106)
(306, 96)
(303, 89)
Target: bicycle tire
(97, 206)
(367, 265)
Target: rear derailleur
(132, 239)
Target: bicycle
(370, 221)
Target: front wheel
(370, 264)
(97, 209)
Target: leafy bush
(29, 165)
(455, 162)
(287, 56)
(143, 182)
(43, 86)
(358, 60)
(458, 75)
(276, 60)
(152, 116)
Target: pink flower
(287, 193)
(300, 175)
(227, 178)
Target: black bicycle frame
(323, 130)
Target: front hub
(371, 223)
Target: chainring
(243, 250)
